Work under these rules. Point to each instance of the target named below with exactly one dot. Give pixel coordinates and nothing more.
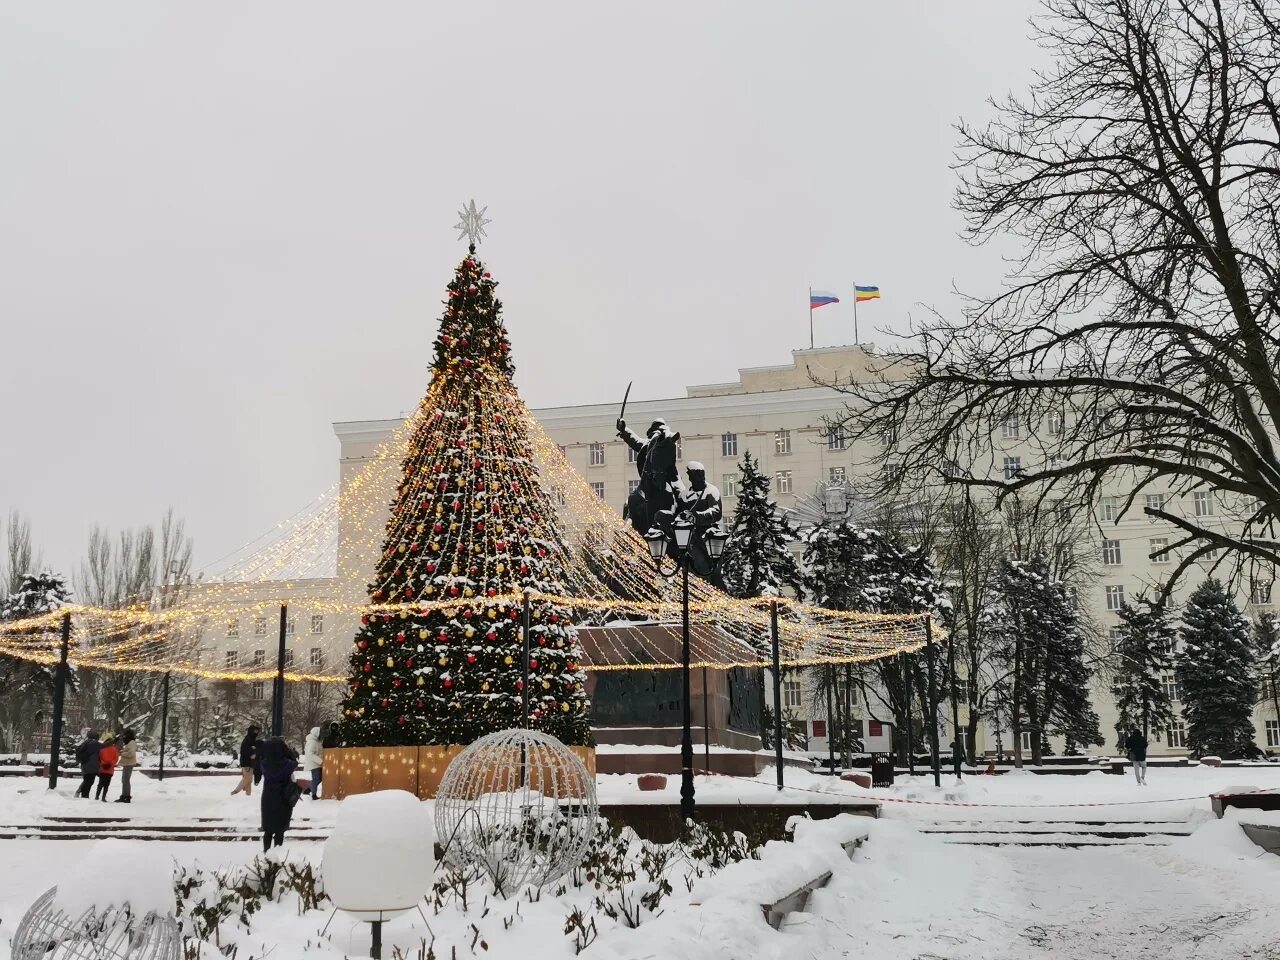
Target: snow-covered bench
(788, 871)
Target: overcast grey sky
(224, 226)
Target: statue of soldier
(656, 464)
(700, 502)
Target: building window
(1273, 733)
(290, 626)
(730, 486)
(1155, 501)
(784, 481)
(1026, 741)
(835, 475)
(259, 658)
(1056, 463)
(632, 455)
(962, 690)
(889, 436)
(317, 623)
(1115, 597)
(232, 659)
(1260, 591)
(598, 487)
(1110, 509)
(632, 486)
(791, 694)
(835, 438)
(317, 657)
(893, 472)
(258, 690)
(1011, 428)
(1172, 688)
(782, 442)
(1157, 548)
(728, 444)
(313, 689)
(233, 628)
(1057, 423)
(558, 493)
(950, 469)
(597, 454)
(1012, 467)
(259, 626)
(1111, 553)
(1203, 500)
(563, 450)
(1176, 735)
(1114, 634)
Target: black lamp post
(713, 541)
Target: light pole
(714, 541)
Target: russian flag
(820, 298)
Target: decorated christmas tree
(438, 657)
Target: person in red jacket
(108, 756)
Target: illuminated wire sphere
(47, 933)
(517, 806)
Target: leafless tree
(20, 557)
(22, 683)
(136, 569)
(1137, 336)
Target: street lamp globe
(715, 541)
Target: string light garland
(485, 503)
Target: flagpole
(811, 318)
(855, 313)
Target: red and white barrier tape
(1011, 806)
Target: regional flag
(861, 294)
(820, 298)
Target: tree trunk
(1015, 707)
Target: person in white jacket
(313, 760)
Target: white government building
(779, 415)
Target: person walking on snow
(957, 756)
(108, 756)
(1136, 744)
(313, 760)
(279, 790)
(128, 760)
(250, 771)
(87, 756)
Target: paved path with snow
(1133, 902)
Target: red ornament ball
(471, 658)
(448, 683)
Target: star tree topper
(471, 223)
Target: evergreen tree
(28, 687)
(851, 567)
(1041, 648)
(1216, 669)
(437, 659)
(757, 560)
(1142, 656)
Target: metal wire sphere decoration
(518, 806)
(45, 932)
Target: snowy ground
(907, 894)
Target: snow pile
(381, 855)
(1221, 843)
(118, 873)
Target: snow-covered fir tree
(27, 687)
(851, 567)
(1216, 669)
(1041, 648)
(437, 659)
(1142, 655)
(758, 561)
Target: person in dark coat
(248, 761)
(957, 756)
(1136, 744)
(87, 756)
(280, 792)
